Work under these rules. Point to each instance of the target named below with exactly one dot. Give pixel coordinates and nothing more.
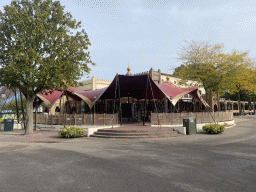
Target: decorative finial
(167, 78)
(128, 69)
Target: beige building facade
(93, 84)
(159, 77)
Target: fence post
(94, 119)
(51, 120)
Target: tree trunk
(239, 104)
(29, 115)
(254, 105)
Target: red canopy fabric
(138, 87)
(174, 93)
(88, 96)
(50, 98)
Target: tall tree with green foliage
(241, 75)
(216, 70)
(41, 47)
(202, 62)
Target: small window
(57, 109)
(174, 82)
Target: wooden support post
(75, 119)
(51, 121)
(104, 119)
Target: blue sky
(149, 33)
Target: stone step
(134, 133)
(135, 130)
(134, 137)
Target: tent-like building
(128, 95)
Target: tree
(11, 105)
(203, 63)
(216, 70)
(241, 75)
(40, 48)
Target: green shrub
(71, 132)
(1, 120)
(213, 128)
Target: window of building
(57, 109)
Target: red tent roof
(87, 96)
(132, 86)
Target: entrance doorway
(126, 110)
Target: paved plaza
(201, 162)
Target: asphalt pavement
(201, 162)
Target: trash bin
(8, 124)
(190, 124)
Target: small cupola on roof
(128, 71)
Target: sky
(149, 33)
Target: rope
(145, 101)
(120, 106)
(114, 101)
(154, 103)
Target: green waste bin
(8, 124)
(190, 124)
